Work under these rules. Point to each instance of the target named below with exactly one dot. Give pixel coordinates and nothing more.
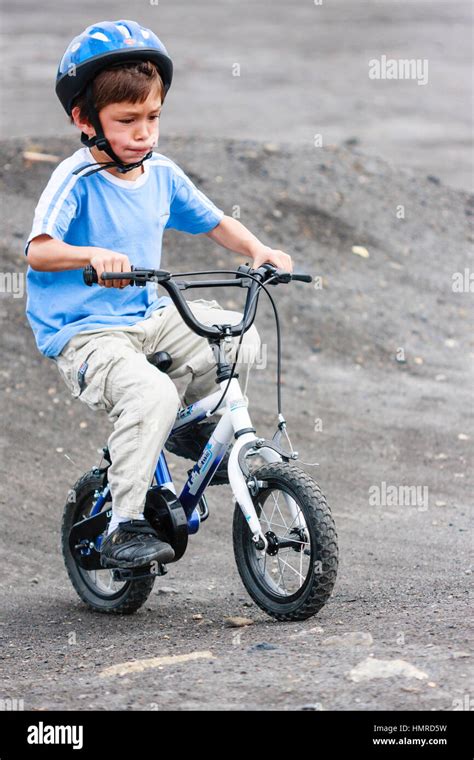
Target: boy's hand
(109, 261)
(231, 234)
(266, 255)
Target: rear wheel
(294, 577)
(97, 588)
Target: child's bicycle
(285, 542)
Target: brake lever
(281, 276)
(274, 275)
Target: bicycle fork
(245, 433)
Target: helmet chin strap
(100, 142)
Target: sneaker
(189, 442)
(134, 543)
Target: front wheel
(294, 577)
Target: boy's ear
(81, 123)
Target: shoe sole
(163, 557)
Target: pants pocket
(66, 370)
(85, 371)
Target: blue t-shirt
(121, 215)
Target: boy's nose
(143, 131)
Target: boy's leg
(191, 353)
(141, 402)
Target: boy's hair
(131, 82)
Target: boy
(108, 205)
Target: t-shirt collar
(126, 184)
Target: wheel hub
(272, 545)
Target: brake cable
(282, 426)
(232, 372)
(261, 285)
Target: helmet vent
(125, 31)
(100, 36)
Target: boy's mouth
(139, 150)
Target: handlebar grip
(89, 275)
(301, 277)
(281, 275)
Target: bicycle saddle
(162, 360)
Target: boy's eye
(129, 121)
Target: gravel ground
(352, 406)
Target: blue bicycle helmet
(99, 46)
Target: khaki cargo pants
(141, 401)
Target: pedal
(138, 573)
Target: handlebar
(246, 277)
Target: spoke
(271, 517)
(269, 521)
(275, 525)
(296, 518)
(262, 512)
(292, 505)
(281, 574)
(294, 540)
(277, 506)
(291, 568)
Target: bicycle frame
(235, 418)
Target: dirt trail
(352, 405)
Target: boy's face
(131, 128)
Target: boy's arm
(232, 234)
(46, 254)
